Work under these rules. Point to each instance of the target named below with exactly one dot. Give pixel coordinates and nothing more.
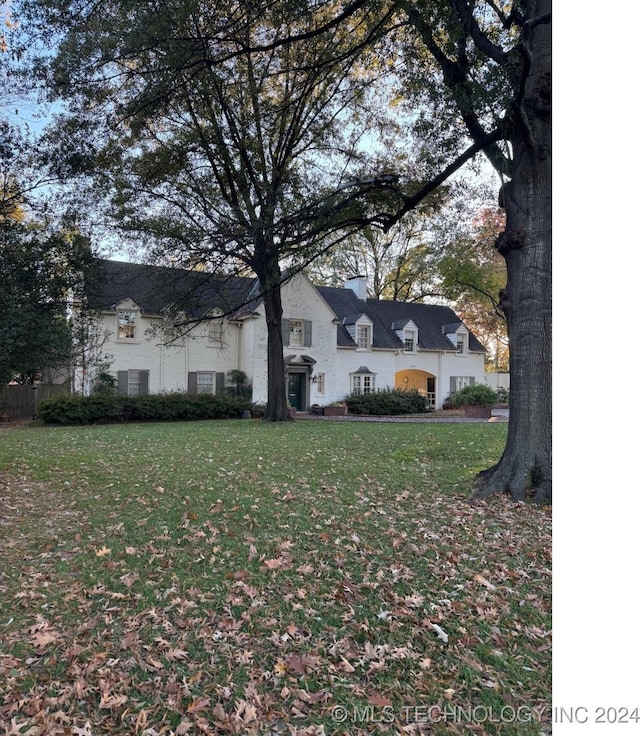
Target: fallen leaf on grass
(198, 705)
(299, 664)
(84, 731)
(43, 638)
(442, 635)
(483, 581)
(379, 701)
(273, 564)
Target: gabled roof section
(451, 327)
(157, 288)
(344, 303)
(351, 319)
(400, 324)
(388, 316)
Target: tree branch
(388, 221)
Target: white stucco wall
(245, 347)
(497, 380)
(386, 363)
(453, 364)
(168, 365)
(300, 300)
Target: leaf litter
(255, 601)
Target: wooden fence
(21, 401)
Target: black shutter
(285, 332)
(192, 382)
(307, 333)
(472, 380)
(452, 385)
(219, 383)
(144, 382)
(123, 382)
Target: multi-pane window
(320, 383)
(204, 382)
(363, 337)
(462, 382)
(133, 383)
(461, 344)
(409, 341)
(296, 333)
(215, 333)
(126, 325)
(363, 383)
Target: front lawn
(242, 578)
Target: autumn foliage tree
(472, 274)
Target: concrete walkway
(497, 415)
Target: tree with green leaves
(472, 274)
(213, 138)
(37, 269)
(39, 265)
(477, 76)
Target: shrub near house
(476, 400)
(107, 408)
(387, 402)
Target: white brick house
(335, 340)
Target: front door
(296, 390)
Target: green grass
(239, 577)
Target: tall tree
(493, 89)
(38, 268)
(214, 136)
(39, 265)
(483, 67)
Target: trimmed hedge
(388, 402)
(105, 409)
(479, 394)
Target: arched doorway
(422, 381)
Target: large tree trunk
(270, 277)
(525, 465)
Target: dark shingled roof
(428, 318)
(155, 288)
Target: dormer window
(360, 329)
(458, 336)
(407, 332)
(363, 340)
(409, 341)
(126, 324)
